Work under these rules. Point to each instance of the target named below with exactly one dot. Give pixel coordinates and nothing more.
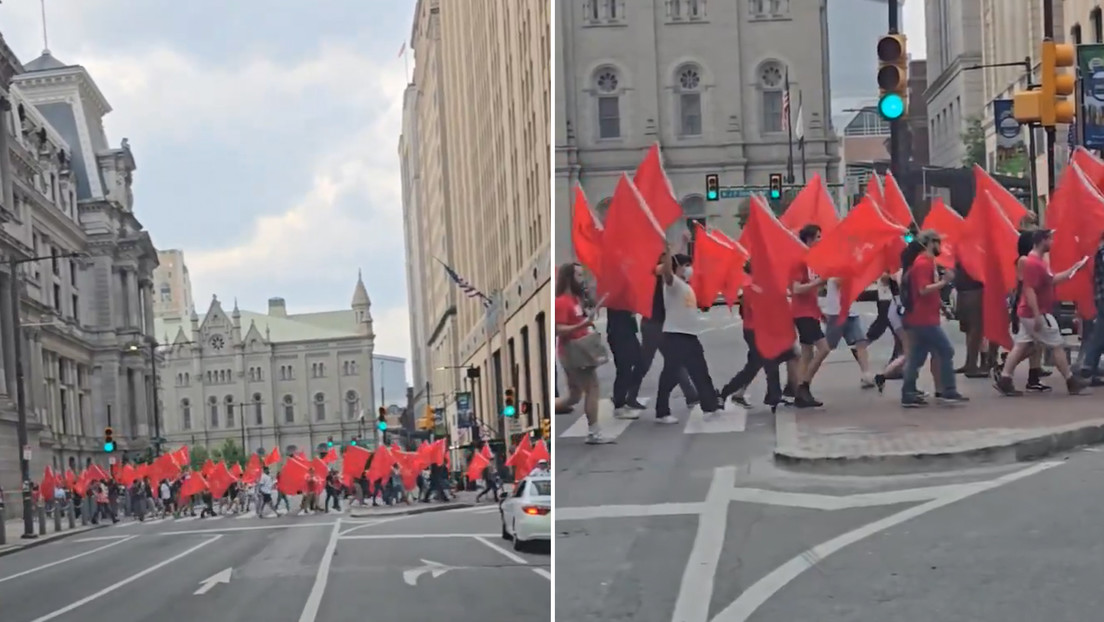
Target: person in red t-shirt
(1037, 324)
(922, 321)
(804, 300)
(573, 323)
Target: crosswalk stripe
(611, 428)
(732, 420)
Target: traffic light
(1048, 106)
(508, 407)
(381, 424)
(356, 439)
(546, 428)
(775, 186)
(892, 76)
(429, 421)
(329, 443)
(712, 187)
(109, 440)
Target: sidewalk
(462, 499)
(13, 532)
(864, 427)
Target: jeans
(683, 354)
(1093, 346)
(755, 363)
(925, 340)
(626, 358)
(651, 337)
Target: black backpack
(906, 292)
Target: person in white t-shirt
(680, 345)
(850, 330)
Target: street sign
(27, 452)
(111, 460)
(737, 192)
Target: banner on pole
(463, 410)
(1011, 155)
(1090, 69)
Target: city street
(328, 568)
(691, 523)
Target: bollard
(71, 512)
(86, 510)
(3, 533)
(57, 516)
(41, 519)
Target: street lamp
(20, 394)
(134, 347)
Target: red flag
(874, 191)
(586, 233)
(632, 244)
(219, 480)
(49, 483)
(1076, 213)
(713, 261)
(812, 206)
(208, 468)
(293, 477)
(521, 463)
(181, 457)
(894, 204)
(236, 471)
(272, 458)
(998, 256)
(354, 462)
(476, 466)
(775, 252)
(540, 452)
(949, 224)
(651, 180)
(737, 277)
(1008, 204)
(194, 485)
(381, 464)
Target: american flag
(786, 104)
(469, 290)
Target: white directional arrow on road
(433, 568)
(210, 582)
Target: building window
(289, 409)
(1075, 34)
(349, 368)
(76, 308)
(73, 272)
(229, 411)
(607, 85)
(187, 378)
(166, 293)
(689, 101)
(604, 11)
(258, 410)
(1097, 25)
(319, 407)
(352, 401)
(57, 298)
(771, 83)
(213, 403)
(685, 9)
(186, 413)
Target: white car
(527, 512)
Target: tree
(231, 453)
(199, 455)
(974, 140)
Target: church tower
(362, 308)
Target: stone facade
(85, 305)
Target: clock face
(217, 342)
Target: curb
(414, 511)
(1026, 450)
(9, 549)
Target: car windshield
(541, 488)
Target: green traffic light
(908, 238)
(508, 411)
(711, 195)
(891, 106)
(329, 443)
(775, 194)
(382, 425)
(109, 446)
(353, 442)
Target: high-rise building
(954, 94)
(705, 80)
(173, 286)
(476, 171)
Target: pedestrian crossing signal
(509, 409)
(775, 186)
(712, 187)
(109, 440)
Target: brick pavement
(863, 426)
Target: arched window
(208, 377)
(212, 402)
(229, 411)
(345, 368)
(607, 87)
(352, 403)
(314, 370)
(319, 407)
(258, 413)
(321, 370)
(688, 89)
(187, 378)
(186, 414)
(772, 82)
(353, 367)
(289, 409)
(252, 374)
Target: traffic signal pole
(894, 124)
(1051, 131)
(21, 402)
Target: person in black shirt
(624, 345)
(969, 315)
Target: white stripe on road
(696, 592)
(111, 588)
(189, 532)
(732, 420)
(611, 427)
(628, 511)
(67, 559)
(514, 557)
(103, 538)
(741, 609)
(414, 536)
(314, 600)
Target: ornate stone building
(86, 319)
(275, 379)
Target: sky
(912, 21)
(265, 134)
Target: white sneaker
(625, 413)
(667, 420)
(596, 438)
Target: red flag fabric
(181, 457)
(949, 224)
(1008, 204)
(874, 191)
(476, 466)
(194, 485)
(272, 458)
(354, 462)
(293, 477)
(586, 233)
(998, 268)
(540, 452)
(236, 471)
(127, 475)
(208, 468)
(521, 462)
(652, 182)
(485, 450)
(96, 472)
(894, 204)
(813, 205)
(48, 484)
(381, 464)
(775, 252)
(632, 244)
(713, 260)
(1076, 213)
(219, 481)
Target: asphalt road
(442, 565)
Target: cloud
(392, 328)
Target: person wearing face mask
(923, 312)
(680, 345)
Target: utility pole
(1051, 131)
(894, 124)
(21, 398)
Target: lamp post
(152, 343)
(20, 393)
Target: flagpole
(801, 141)
(789, 130)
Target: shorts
(809, 330)
(266, 498)
(1048, 334)
(968, 310)
(851, 331)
